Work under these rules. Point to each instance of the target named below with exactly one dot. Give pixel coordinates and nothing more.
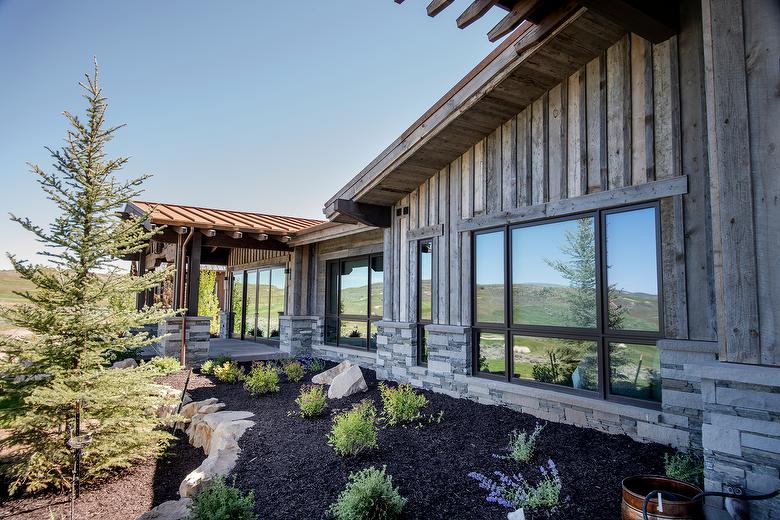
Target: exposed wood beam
(181, 230)
(654, 21)
(437, 6)
(368, 214)
(549, 26)
(474, 12)
(520, 12)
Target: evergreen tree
(77, 320)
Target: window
(424, 297)
(257, 301)
(353, 301)
(583, 312)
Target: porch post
(193, 275)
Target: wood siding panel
(619, 114)
(509, 164)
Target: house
(584, 228)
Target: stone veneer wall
(224, 323)
(197, 338)
(296, 333)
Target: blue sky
(262, 106)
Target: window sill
(367, 354)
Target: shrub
(401, 404)
(294, 371)
(521, 444)
(312, 400)
(514, 492)
(354, 431)
(315, 365)
(228, 372)
(218, 501)
(207, 368)
(369, 494)
(687, 467)
(165, 364)
(262, 379)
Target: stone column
(196, 337)
(295, 334)
(396, 349)
(224, 324)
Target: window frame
(369, 319)
(421, 323)
(244, 275)
(601, 334)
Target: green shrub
(218, 501)
(687, 467)
(165, 364)
(521, 444)
(312, 400)
(294, 371)
(401, 404)
(354, 431)
(316, 365)
(207, 368)
(228, 372)
(262, 379)
(369, 495)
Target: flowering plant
(514, 492)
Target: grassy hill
(10, 282)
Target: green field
(10, 282)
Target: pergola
(191, 236)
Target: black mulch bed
(296, 475)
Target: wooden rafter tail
(474, 12)
(399, 1)
(549, 26)
(437, 6)
(519, 13)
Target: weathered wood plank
(414, 210)
(396, 263)
(642, 144)
(424, 203)
(509, 164)
(576, 141)
(619, 113)
(454, 259)
(465, 278)
(403, 264)
(426, 232)
(442, 290)
(467, 184)
(594, 111)
(539, 157)
(557, 145)
(524, 162)
(389, 272)
(433, 199)
(604, 199)
(493, 172)
(665, 91)
(479, 178)
(675, 317)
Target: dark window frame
(369, 319)
(421, 323)
(244, 275)
(601, 334)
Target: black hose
(701, 495)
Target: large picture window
(257, 301)
(582, 312)
(353, 301)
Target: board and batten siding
(613, 124)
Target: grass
(9, 283)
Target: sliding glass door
(257, 301)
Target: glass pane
(377, 286)
(331, 305)
(492, 353)
(331, 331)
(426, 280)
(632, 270)
(372, 340)
(565, 362)
(354, 287)
(422, 345)
(262, 303)
(490, 277)
(554, 274)
(250, 318)
(635, 371)
(237, 302)
(278, 281)
(353, 333)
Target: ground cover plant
(522, 444)
(401, 404)
(369, 494)
(164, 364)
(219, 501)
(229, 372)
(354, 431)
(207, 368)
(294, 371)
(687, 467)
(312, 401)
(262, 379)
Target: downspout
(182, 294)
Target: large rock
(170, 510)
(327, 377)
(125, 363)
(516, 515)
(202, 426)
(347, 383)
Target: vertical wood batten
(577, 152)
(509, 164)
(539, 158)
(523, 150)
(403, 260)
(467, 184)
(388, 274)
(557, 145)
(493, 172)
(454, 258)
(479, 178)
(642, 145)
(619, 113)
(443, 250)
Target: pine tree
(77, 320)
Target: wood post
(193, 276)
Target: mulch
(294, 474)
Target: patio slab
(243, 350)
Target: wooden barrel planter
(636, 488)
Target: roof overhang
(533, 59)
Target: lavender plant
(522, 444)
(514, 492)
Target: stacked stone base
(197, 338)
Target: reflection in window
(635, 371)
(554, 274)
(565, 362)
(489, 271)
(276, 306)
(258, 310)
(237, 303)
(263, 303)
(250, 314)
(422, 345)
(353, 295)
(372, 339)
(377, 286)
(491, 350)
(331, 330)
(353, 333)
(632, 269)
(426, 281)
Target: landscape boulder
(170, 510)
(327, 377)
(202, 426)
(516, 515)
(349, 382)
(125, 363)
(521, 349)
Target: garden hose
(700, 496)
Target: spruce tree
(77, 320)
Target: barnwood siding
(247, 257)
(613, 124)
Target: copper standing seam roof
(220, 219)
